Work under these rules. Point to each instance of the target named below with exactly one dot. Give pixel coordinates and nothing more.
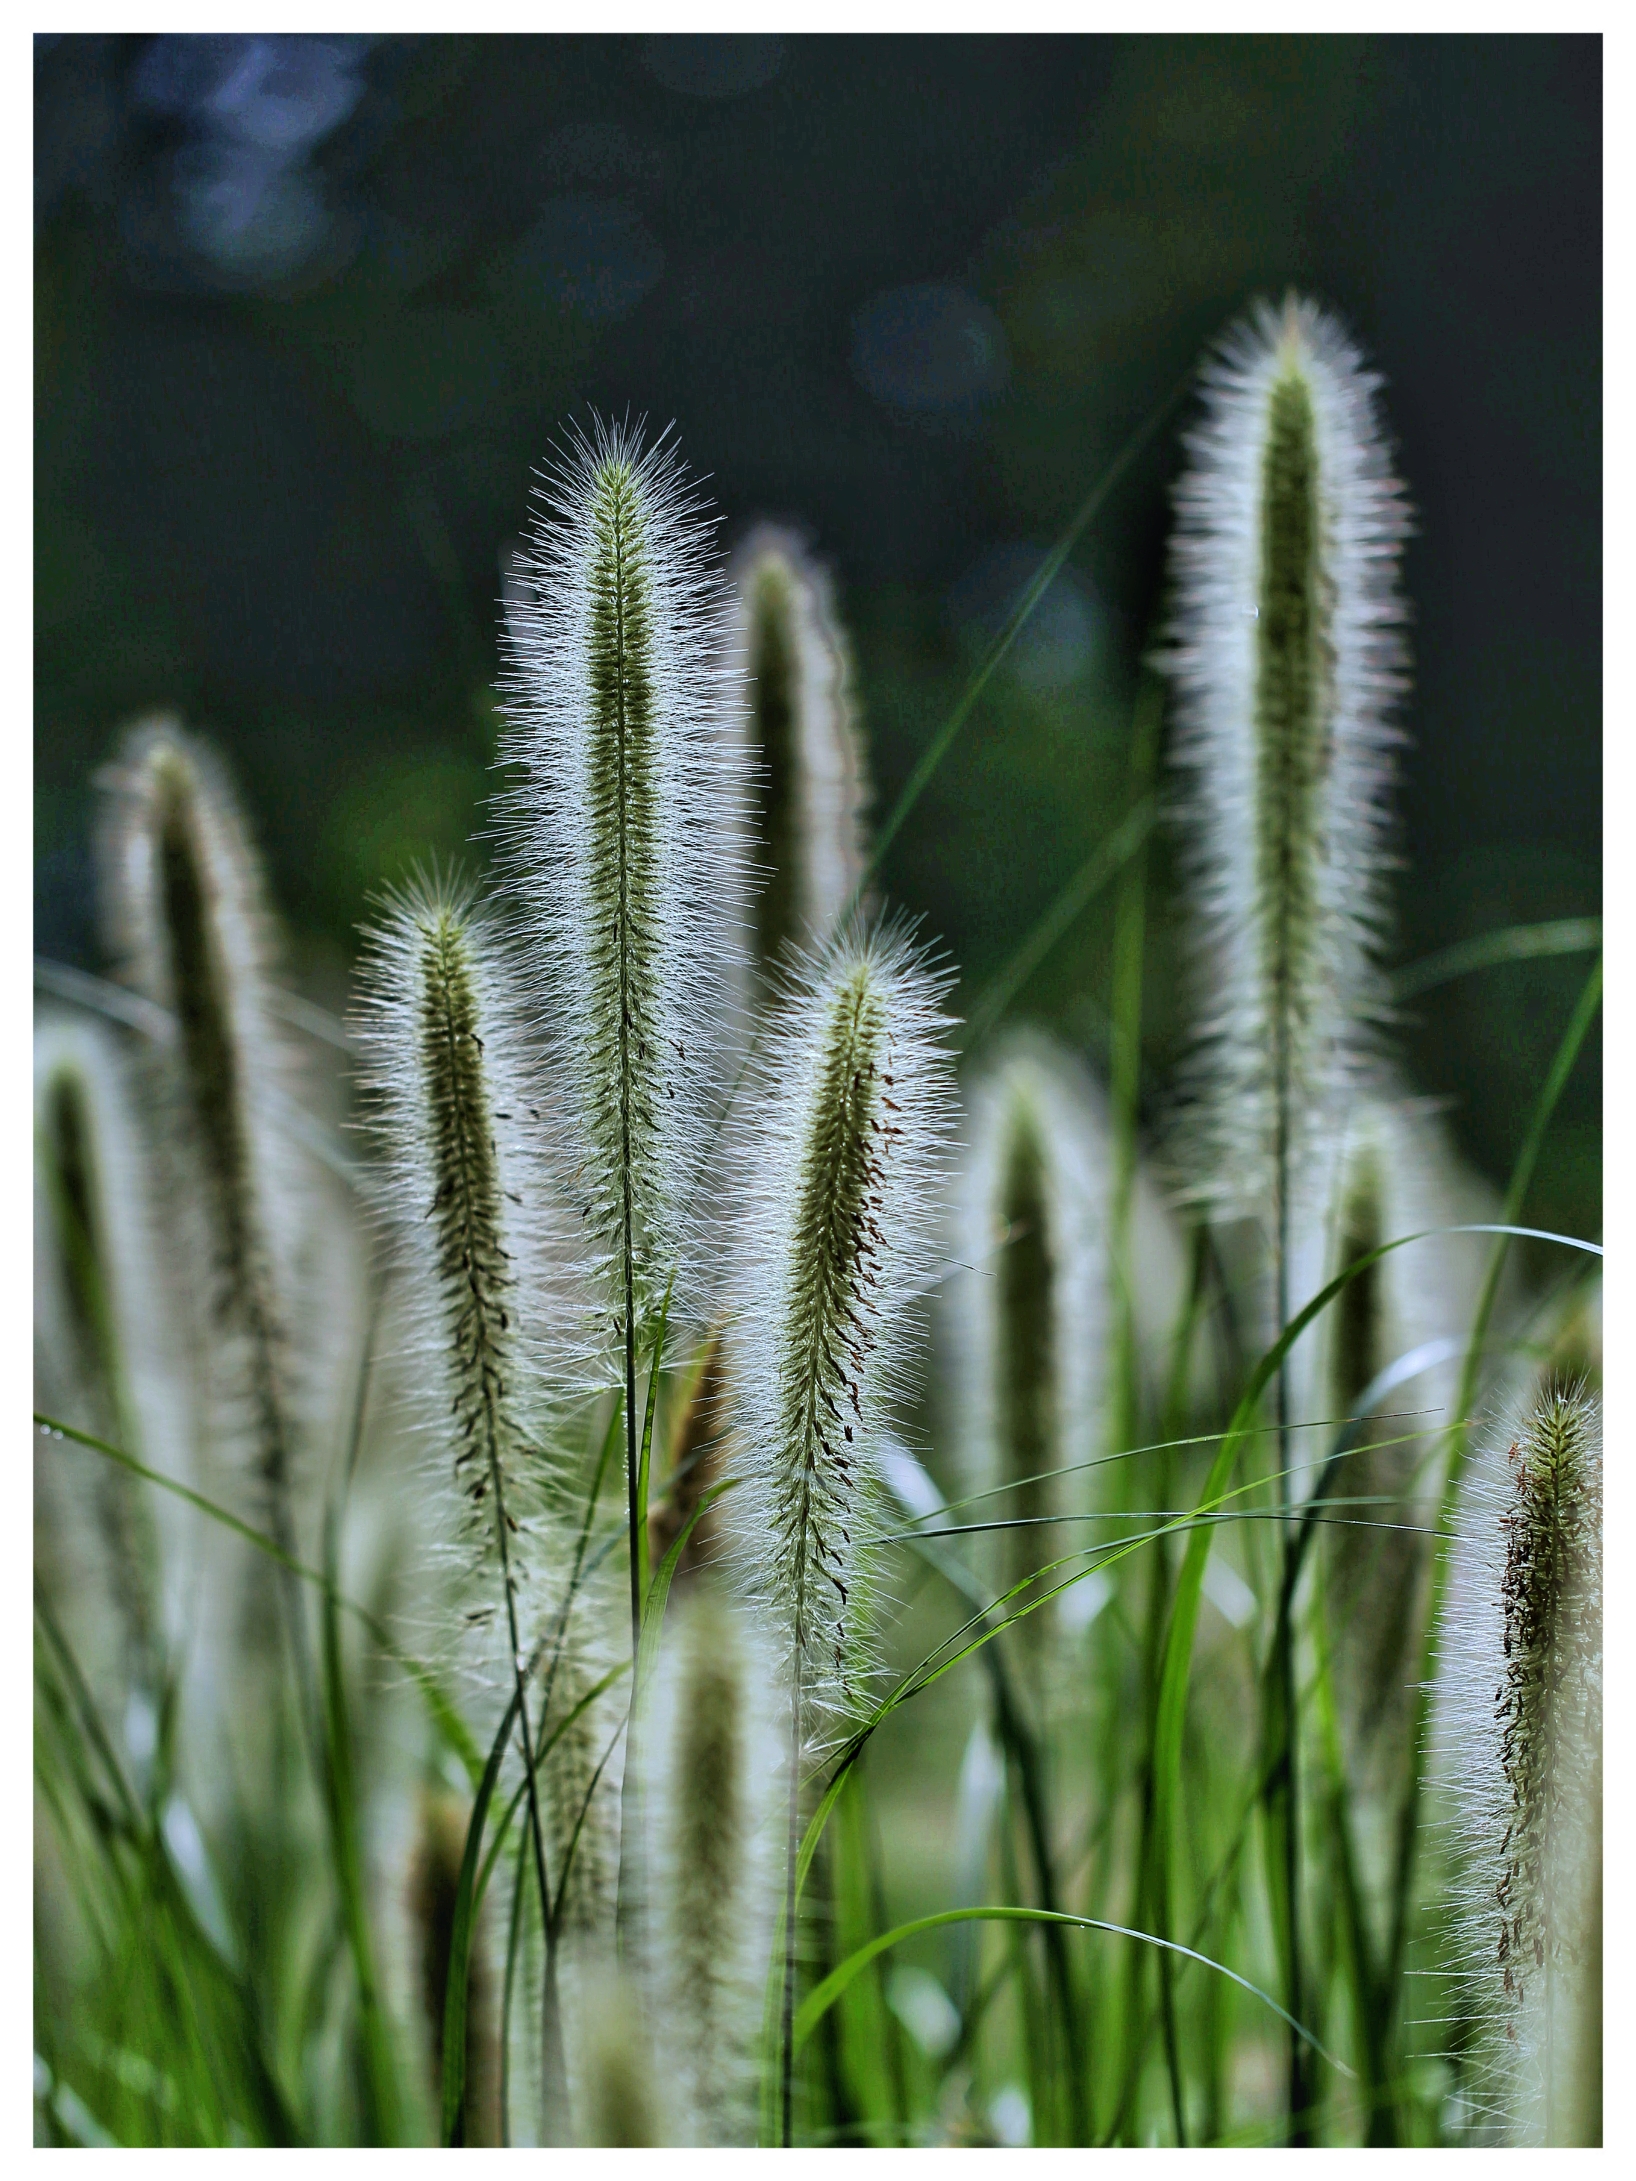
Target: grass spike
(802, 718)
(619, 832)
(1518, 1744)
(714, 1816)
(182, 892)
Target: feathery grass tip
(845, 1117)
(1285, 652)
(1519, 1743)
(791, 651)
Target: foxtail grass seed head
(183, 896)
(455, 1110)
(698, 1457)
(621, 832)
(844, 1126)
(1029, 1308)
(1391, 1171)
(620, 2103)
(1518, 1741)
(791, 652)
(1285, 653)
(715, 1812)
(101, 1360)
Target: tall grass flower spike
(621, 830)
(1518, 1737)
(791, 652)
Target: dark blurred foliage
(310, 308)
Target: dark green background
(275, 495)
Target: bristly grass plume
(452, 1081)
(843, 1125)
(715, 1808)
(845, 1119)
(1285, 652)
(1029, 1307)
(791, 651)
(1518, 1735)
(187, 918)
(455, 1112)
(99, 1359)
(621, 833)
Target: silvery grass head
(1518, 1742)
(451, 1077)
(1285, 652)
(102, 1360)
(621, 834)
(791, 653)
(182, 893)
(1390, 1171)
(1029, 1308)
(843, 1127)
(717, 1752)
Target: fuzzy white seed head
(1518, 1745)
(184, 902)
(791, 654)
(1285, 653)
(1389, 1172)
(621, 832)
(103, 1356)
(843, 1131)
(1029, 1309)
(718, 1744)
(454, 1097)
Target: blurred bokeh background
(310, 309)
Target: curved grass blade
(1044, 576)
(820, 2000)
(1515, 943)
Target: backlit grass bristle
(1519, 1743)
(844, 1120)
(1029, 1310)
(698, 1452)
(454, 1105)
(620, 833)
(802, 718)
(97, 1316)
(1285, 653)
(1392, 1172)
(182, 892)
(715, 1809)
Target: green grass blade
(1044, 576)
(824, 1996)
(1516, 943)
(463, 1924)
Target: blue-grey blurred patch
(589, 254)
(284, 94)
(933, 347)
(715, 66)
(254, 108)
(1057, 644)
(251, 212)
